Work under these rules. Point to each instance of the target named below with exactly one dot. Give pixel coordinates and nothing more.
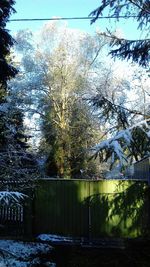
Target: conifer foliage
(6, 41)
(130, 139)
(14, 160)
(136, 50)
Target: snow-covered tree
(7, 71)
(56, 74)
(15, 162)
(124, 108)
(130, 119)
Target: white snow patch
(54, 238)
(22, 254)
(24, 249)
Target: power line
(72, 18)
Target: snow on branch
(7, 197)
(121, 146)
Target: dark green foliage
(6, 41)
(110, 111)
(67, 148)
(140, 144)
(55, 145)
(81, 138)
(128, 7)
(136, 50)
(6, 70)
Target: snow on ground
(54, 238)
(59, 239)
(23, 254)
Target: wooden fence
(88, 209)
(12, 220)
(16, 218)
(91, 209)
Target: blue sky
(66, 8)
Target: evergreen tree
(136, 50)
(7, 71)
(83, 132)
(128, 123)
(130, 139)
(15, 162)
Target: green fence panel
(91, 209)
